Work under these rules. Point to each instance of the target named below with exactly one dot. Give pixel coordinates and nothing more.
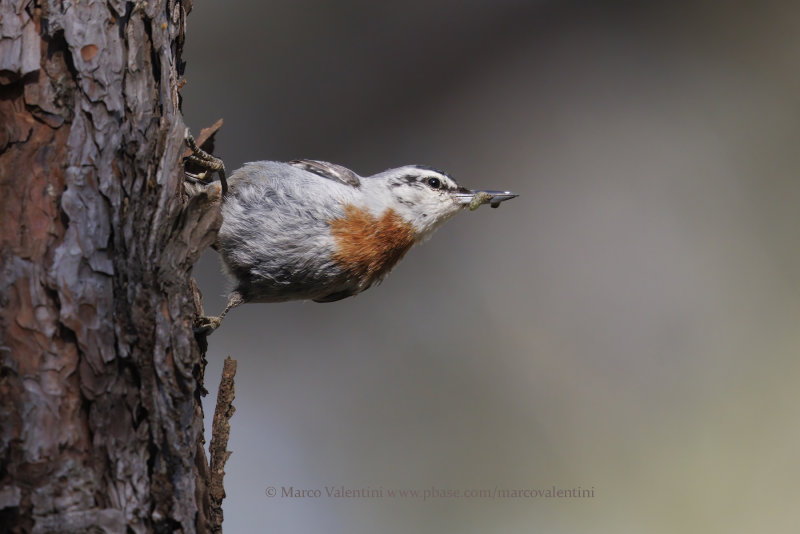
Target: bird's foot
(205, 161)
(206, 324)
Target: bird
(313, 230)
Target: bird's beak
(477, 198)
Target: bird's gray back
(276, 235)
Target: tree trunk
(101, 376)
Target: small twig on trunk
(220, 430)
(206, 138)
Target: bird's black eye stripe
(434, 182)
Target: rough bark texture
(100, 377)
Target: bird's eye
(434, 183)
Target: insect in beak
(477, 198)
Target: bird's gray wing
(327, 170)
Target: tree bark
(100, 374)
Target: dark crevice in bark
(12, 90)
(122, 18)
(57, 44)
(155, 60)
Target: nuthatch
(312, 230)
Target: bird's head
(425, 197)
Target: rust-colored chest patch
(369, 246)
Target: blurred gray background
(630, 323)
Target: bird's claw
(206, 324)
(206, 161)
